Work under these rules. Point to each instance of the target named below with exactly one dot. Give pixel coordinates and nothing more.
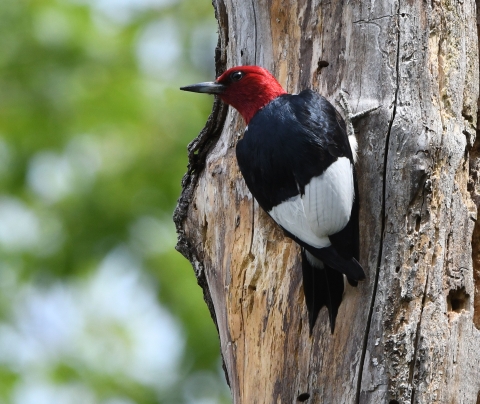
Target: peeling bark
(410, 332)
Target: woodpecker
(298, 162)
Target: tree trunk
(410, 332)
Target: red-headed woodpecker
(298, 163)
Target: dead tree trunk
(409, 334)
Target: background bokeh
(96, 306)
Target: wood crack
(383, 216)
(374, 19)
(255, 31)
(417, 336)
(417, 340)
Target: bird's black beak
(209, 87)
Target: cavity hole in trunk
(457, 300)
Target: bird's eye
(236, 76)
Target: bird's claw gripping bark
(349, 116)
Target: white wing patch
(323, 210)
(353, 146)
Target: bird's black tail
(347, 266)
(323, 286)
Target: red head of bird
(246, 88)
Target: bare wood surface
(409, 333)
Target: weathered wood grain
(409, 333)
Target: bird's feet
(349, 118)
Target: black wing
(288, 142)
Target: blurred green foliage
(93, 135)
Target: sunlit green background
(96, 306)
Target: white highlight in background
(110, 322)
